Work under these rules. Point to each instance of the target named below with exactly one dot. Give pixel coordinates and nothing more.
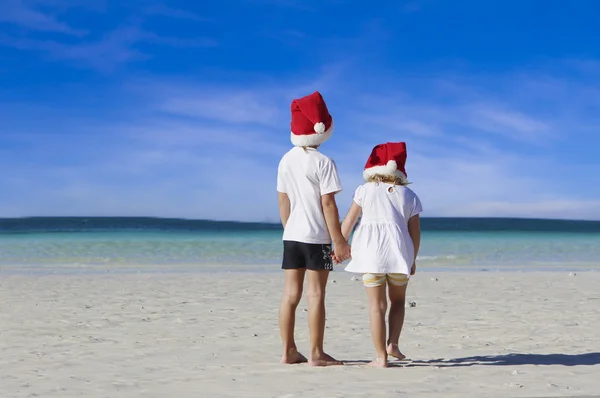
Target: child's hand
(341, 251)
(336, 259)
(413, 269)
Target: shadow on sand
(589, 359)
(361, 362)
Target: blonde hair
(387, 179)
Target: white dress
(381, 242)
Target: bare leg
(317, 282)
(377, 310)
(292, 293)
(396, 318)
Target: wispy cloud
(424, 118)
(513, 124)
(263, 101)
(242, 107)
(297, 4)
(569, 209)
(169, 163)
(22, 13)
(208, 147)
(413, 6)
(169, 168)
(99, 50)
(470, 148)
(104, 54)
(164, 11)
(117, 47)
(177, 42)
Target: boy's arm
(350, 220)
(341, 248)
(414, 230)
(284, 207)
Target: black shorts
(316, 257)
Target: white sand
(470, 335)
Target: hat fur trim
(312, 139)
(390, 169)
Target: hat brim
(312, 139)
(390, 169)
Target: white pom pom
(320, 128)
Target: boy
(307, 182)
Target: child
(385, 245)
(307, 182)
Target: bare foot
(293, 357)
(378, 363)
(394, 351)
(324, 360)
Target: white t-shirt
(381, 242)
(305, 175)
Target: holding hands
(341, 251)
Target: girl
(385, 245)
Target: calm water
(170, 245)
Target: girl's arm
(284, 208)
(350, 220)
(414, 230)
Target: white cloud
(427, 118)
(263, 101)
(104, 54)
(513, 124)
(413, 6)
(559, 209)
(297, 4)
(146, 179)
(115, 48)
(213, 151)
(459, 168)
(232, 107)
(164, 11)
(104, 51)
(22, 13)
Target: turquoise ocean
(124, 245)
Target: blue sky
(179, 110)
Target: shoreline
(219, 269)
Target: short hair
(388, 179)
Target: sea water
(117, 245)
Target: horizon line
(278, 223)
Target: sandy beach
(202, 335)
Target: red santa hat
(311, 122)
(387, 160)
